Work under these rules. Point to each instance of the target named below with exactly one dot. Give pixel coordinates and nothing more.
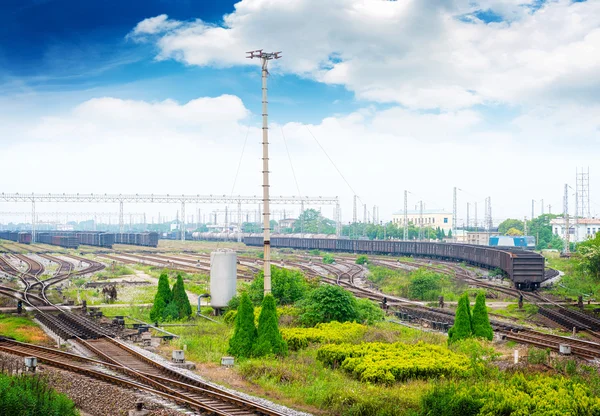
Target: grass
(22, 329)
(513, 311)
(574, 282)
(125, 295)
(114, 272)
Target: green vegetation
(287, 286)
(328, 259)
(362, 259)
(170, 304)
(180, 299)
(462, 328)
(22, 329)
(589, 252)
(388, 363)
(114, 271)
(539, 228)
(333, 332)
(481, 321)
(269, 338)
(245, 333)
(520, 394)
(30, 395)
(328, 303)
(421, 284)
(311, 221)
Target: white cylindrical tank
(223, 277)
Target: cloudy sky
(499, 98)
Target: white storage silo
(223, 277)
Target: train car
(524, 242)
(24, 238)
(524, 268)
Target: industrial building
(480, 238)
(580, 229)
(427, 218)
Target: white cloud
(124, 146)
(412, 52)
(153, 25)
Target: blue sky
(409, 94)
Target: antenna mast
(265, 57)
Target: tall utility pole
(583, 193)
(364, 213)
(542, 201)
(420, 220)
(454, 216)
(405, 236)
(525, 225)
(265, 57)
(532, 209)
(354, 211)
(567, 249)
(468, 209)
(476, 225)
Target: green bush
(362, 259)
(244, 336)
(537, 356)
(162, 298)
(387, 363)
(269, 338)
(480, 320)
(314, 252)
(287, 286)
(332, 332)
(30, 395)
(424, 285)
(462, 327)
(368, 311)
(170, 312)
(328, 259)
(180, 299)
(535, 395)
(328, 303)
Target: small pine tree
(180, 298)
(481, 321)
(161, 299)
(269, 340)
(462, 321)
(244, 336)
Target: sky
(499, 98)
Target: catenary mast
(265, 57)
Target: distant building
(287, 223)
(579, 231)
(430, 218)
(480, 238)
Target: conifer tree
(244, 336)
(269, 340)
(161, 299)
(180, 298)
(481, 321)
(462, 321)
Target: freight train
(16, 236)
(525, 268)
(72, 239)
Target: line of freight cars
(525, 268)
(72, 239)
(16, 236)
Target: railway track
(117, 364)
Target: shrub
(328, 259)
(287, 286)
(162, 298)
(462, 321)
(244, 335)
(269, 338)
(314, 252)
(480, 320)
(332, 332)
(170, 312)
(535, 395)
(368, 311)
(387, 363)
(30, 395)
(362, 259)
(328, 303)
(424, 285)
(181, 299)
(537, 356)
